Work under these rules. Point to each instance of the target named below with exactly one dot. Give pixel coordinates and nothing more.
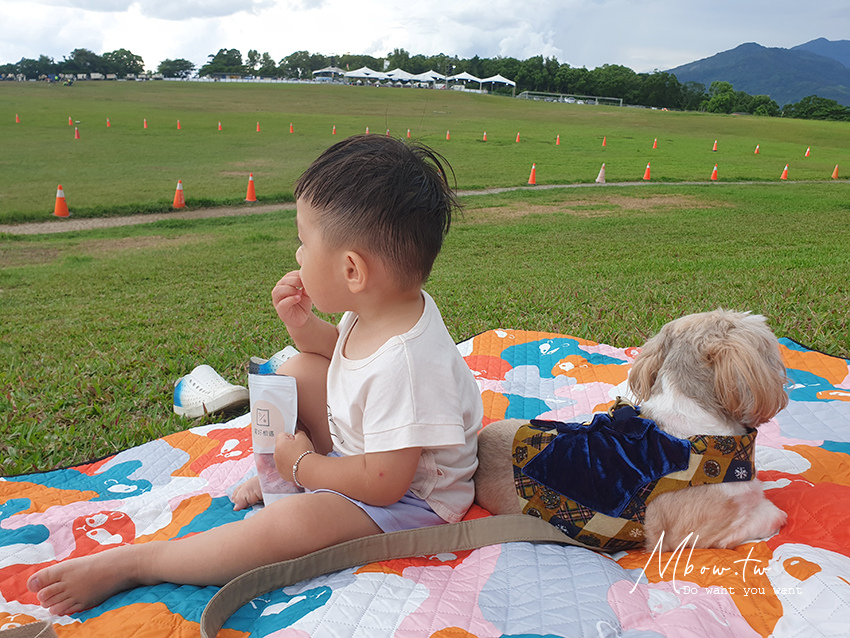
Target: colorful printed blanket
(794, 584)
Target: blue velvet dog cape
(593, 481)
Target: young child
(388, 410)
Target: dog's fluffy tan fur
(713, 373)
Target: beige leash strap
(424, 541)
(40, 629)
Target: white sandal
(204, 391)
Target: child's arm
(377, 478)
(295, 308)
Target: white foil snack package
(274, 410)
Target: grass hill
(786, 75)
(125, 168)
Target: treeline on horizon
(541, 74)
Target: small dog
(717, 373)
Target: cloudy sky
(641, 34)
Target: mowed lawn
(96, 326)
(126, 168)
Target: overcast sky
(641, 34)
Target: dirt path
(72, 224)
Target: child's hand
(287, 449)
(291, 302)
(247, 494)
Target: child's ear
(356, 271)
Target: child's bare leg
(291, 527)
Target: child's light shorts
(411, 512)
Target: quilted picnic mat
(796, 583)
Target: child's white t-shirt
(414, 391)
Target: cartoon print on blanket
(792, 584)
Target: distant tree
(296, 65)
(28, 68)
(179, 68)
(351, 62)
(572, 80)
(693, 95)
(399, 58)
(252, 60)
(122, 62)
(659, 89)
(268, 68)
(721, 98)
(763, 105)
(225, 61)
(318, 61)
(83, 61)
(614, 80)
(817, 108)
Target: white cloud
(642, 35)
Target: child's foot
(81, 583)
(247, 494)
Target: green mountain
(835, 49)
(786, 75)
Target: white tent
(465, 77)
(365, 73)
(330, 71)
(431, 76)
(499, 80)
(404, 76)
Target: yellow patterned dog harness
(564, 484)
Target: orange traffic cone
(517, 137)
(179, 199)
(448, 136)
(145, 124)
(715, 146)
(70, 121)
(76, 133)
(756, 152)
(290, 128)
(532, 179)
(808, 150)
(60, 208)
(558, 141)
(600, 179)
(17, 119)
(178, 125)
(367, 130)
(784, 173)
(108, 125)
(334, 130)
(408, 133)
(835, 172)
(258, 127)
(646, 172)
(604, 140)
(388, 132)
(655, 143)
(252, 195)
(484, 139)
(714, 174)
(219, 126)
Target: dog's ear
(647, 365)
(749, 375)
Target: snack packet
(274, 410)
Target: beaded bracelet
(295, 468)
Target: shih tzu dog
(678, 469)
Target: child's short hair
(380, 194)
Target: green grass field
(126, 168)
(96, 325)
